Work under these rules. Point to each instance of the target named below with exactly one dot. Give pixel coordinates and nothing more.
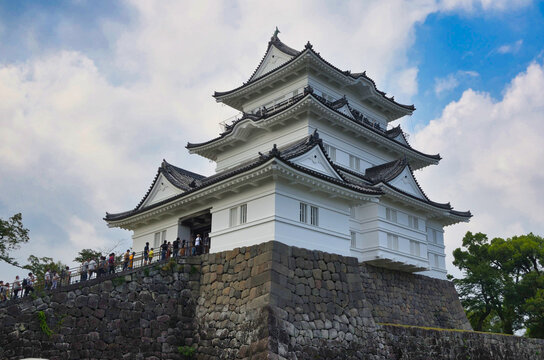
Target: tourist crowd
(104, 265)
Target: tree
(12, 235)
(88, 254)
(39, 265)
(502, 287)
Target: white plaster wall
(331, 234)
(262, 142)
(147, 233)
(346, 145)
(260, 219)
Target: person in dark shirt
(175, 247)
(146, 253)
(164, 249)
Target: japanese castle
(311, 162)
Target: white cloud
(452, 81)
(407, 83)
(510, 48)
(492, 154)
(470, 6)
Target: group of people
(99, 267)
(104, 265)
(19, 288)
(177, 248)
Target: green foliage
(188, 352)
(170, 265)
(502, 290)
(12, 235)
(146, 271)
(120, 280)
(43, 324)
(39, 265)
(193, 270)
(88, 254)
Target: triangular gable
(274, 58)
(317, 161)
(162, 190)
(401, 139)
(405, 181)
(346, 111)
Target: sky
(94, 94)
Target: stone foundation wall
(408, 343)
(402, 298)
(145, 313)
(269, 301)
(232, 314)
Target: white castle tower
(310, 162)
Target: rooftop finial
(276, 32)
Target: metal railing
(76, 275)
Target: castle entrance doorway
(189, 227)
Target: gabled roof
(283, 154)
(340, 106)
(299, 56)
(182, 179)
(381, 176)
(274, 42)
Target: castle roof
(303, 60)
(375, 182)
(199, 182)
(382, 177)
(341, 107)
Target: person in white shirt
(198, 243)
(92, 268)
(47, 280)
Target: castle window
(331, 152)
(238, 215)
(243, 213)
(413, 222)
(414, 248)
(354, 162)
(434, 236)
(353, 239)
(391, 214)
(303, 217)
(160, 236)
(392, 242)
(314, 215)
(233, 216)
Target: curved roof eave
(309, 49)
(195, 146)
(439, 206)
(228, 174)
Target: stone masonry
(268, 301)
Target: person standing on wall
(92, 268)
(198, 244)
(183, 246)
(164, 249)
(111, 263)
(16, 287)
(126, 259)
(175, 247)
(146, 253)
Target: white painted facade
(351, 195)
